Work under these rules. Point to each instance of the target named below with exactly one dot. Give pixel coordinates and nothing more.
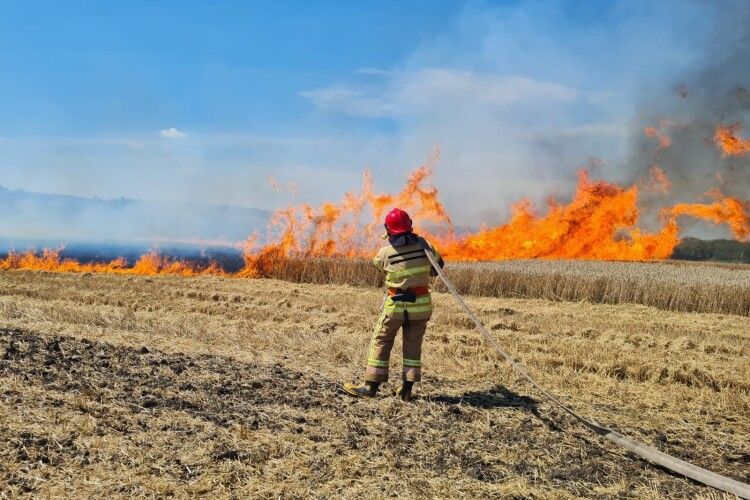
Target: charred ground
(194, 422)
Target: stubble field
(157, 386)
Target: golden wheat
(666, 285)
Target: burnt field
(158, 386)
(91, 418)
(148, 422)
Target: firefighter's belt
(408, 295)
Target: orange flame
(725, 210)
(597, 224)
(148, 264)
(600, 222)
(658, 180)
(726, 139)
(660, 134)
(337, 229)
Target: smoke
(519, 96)
(712, 91)
(64, 219)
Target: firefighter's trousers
(390, 322)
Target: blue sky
(202, 101)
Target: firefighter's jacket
(406, 266)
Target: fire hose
(644, 451)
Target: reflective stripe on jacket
(405, 267)
(419, 309)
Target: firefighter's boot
(363, 390)
(404, 392)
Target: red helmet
(397, 221)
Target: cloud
(483, 88)
(172, 133)
(409, 92)
(368, 70)
(137, 144)
(351, 101)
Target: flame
(658, 180)
(725, 210)
(338, 229)
(599, 222)
(148, 264)
(660, 134)
(726, 139)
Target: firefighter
(407, 305)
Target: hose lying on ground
(644, 451)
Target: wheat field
(670, 285)
(125, 386)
